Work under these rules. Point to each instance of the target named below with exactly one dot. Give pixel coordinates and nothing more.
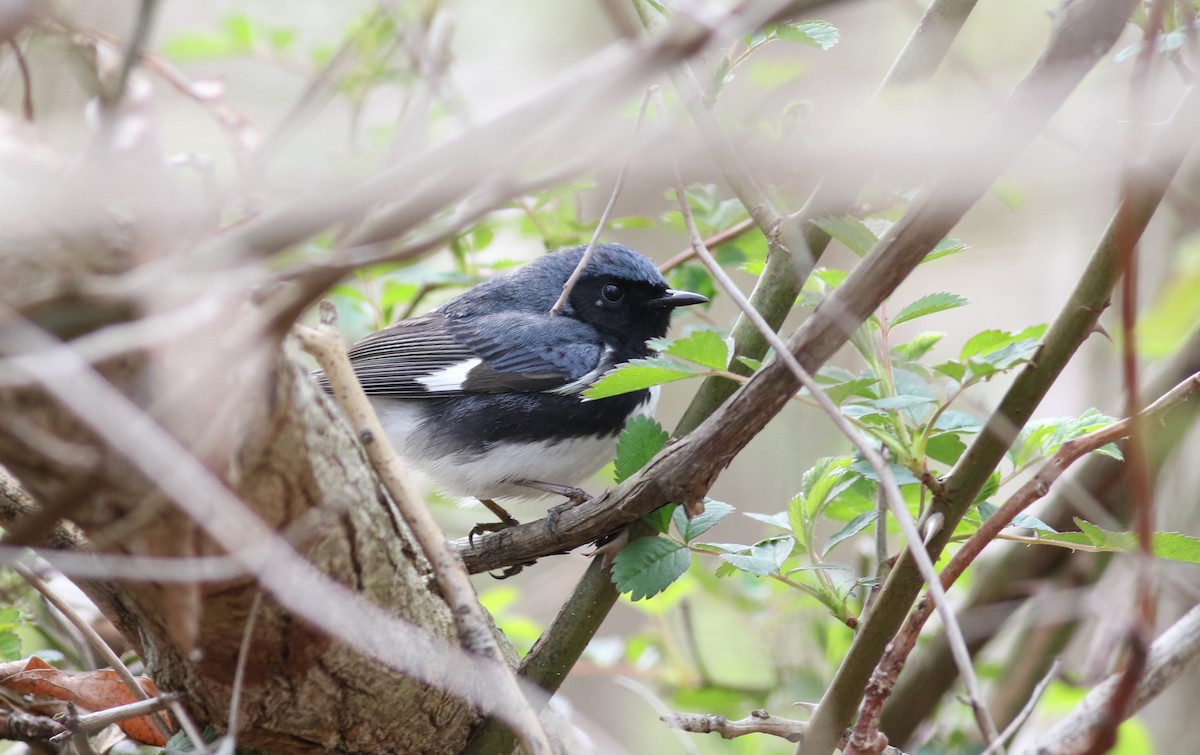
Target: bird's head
(621, 293)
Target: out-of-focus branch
(1170, 656)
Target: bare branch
(1170, 656)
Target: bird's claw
(513, 570)
(482, 527)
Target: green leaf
(636, 375)
(850, 231)
(896, 403)
(991, 341)
(945, 248)
(198, 46)
(690, 529)
(946, 448)
(917, 347)
(641, 439)
(1175, 312)
(704, 347)
(902, 475)
(852, 528)
(10, 646)
(660, 518)
(1023, 520)
(764, 559)
(648, 565)
(631, 222)
(775, 520)
(1173, 546)
(820, 34)
(960, 422)
(241, 31)
(694, 278)
(927, 305)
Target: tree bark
(262, 427)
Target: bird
(484, 394)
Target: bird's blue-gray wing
(434, 357)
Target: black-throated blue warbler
(484, 393)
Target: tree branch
(1171, 655)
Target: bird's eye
(612, 292)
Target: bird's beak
(673, 298)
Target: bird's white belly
(495, 472)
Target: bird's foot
(574, 496)
(512, 571)
(506, 520)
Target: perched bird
(484, 393)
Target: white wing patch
(449, 378)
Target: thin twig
(90, 723)
(26, 82)
(93, 638)
(758, 722)
(1170, 656)
(133, 50)
(194, 735)
(730, 233)
(619, 184)
(1137, 474)
(239, 674)
(474, 630)
(1015, 725)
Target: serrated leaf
(637, 375)
(927, 305)
(1173, 546)
(764, 559)
(917, 347)
(754, 364)
(690, 529)
(850, 231)
(852, 528)
(820, 34)
(648, 565)
(896, 403)
(960, 422)
(704, 347)
(953, 370)
(945, 248)
(858, 387)
(775, 520)
(639, 441)
(1031, 523)
(820, 567)
(902, 475)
